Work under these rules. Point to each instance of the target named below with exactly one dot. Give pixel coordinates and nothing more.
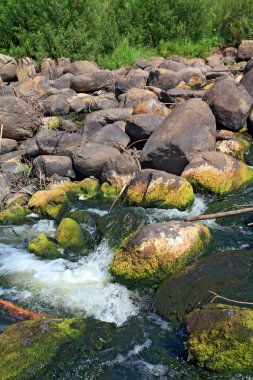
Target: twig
(121, 193)
(227, 299)
(219, 214)
(1, 136)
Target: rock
(155, 62)
(88, 129)
(72, 237)
(226, 273)
(155, 251)
(48, 68)
(104, 102)
(98, 80)
(15, 214)
(230, 51)
(245, 50)
(154, 188)
(58, 142)
(13, 166)
(5, 188)
(247, 80)
(120, 223)
(134, 96)
(81, 67)
(231, 104)
(8, 66)
(135, 78)
(28, 348)
(109, 116)
(151, 106)
(45, 248)
(235, 147)
(221, 338)
(215, 60)
(34, 88)
(19, 119)
(141, 63)
(217, 172)
(50, 165)
(140, 127)
(192, 76)
(248, 66)
(51, 122)
(190, 128)
(56, 105)
(88, 103)
(8, 145)
(29, 147)
(164, 79)
(111, 135)
(180, 95)
(171, 64)
(63, 81)
(25, 69)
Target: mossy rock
(155, 188)
(43, 247)
(233, 144)
(52, 122)
(109, 191)
(120, 223)
(14, 215)
(28, 348)
(84, 217)
(221, 338)
(217, 173)
(156, 251)
(72, 237)
(89, 187)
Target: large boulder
(126, 79)
(19, 119)
(190, 128)
(28, 348)
(97, 80)
(247, 81)
(164, 79)
(34, 88)
(56, 105)
(134, 96)
(50, 165)
(229, 274)
(109, 116)
(217, 172)
(80, 67)
(154, 188)
(8, 67)
(245, 50)
(141, 126)
(231, 104)
(155, 251)
(221, 338)
(58, 142)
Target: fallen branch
(121, 193)
(219, 214)
(227, 299)
(18, 312)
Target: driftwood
(227, 299)
(18, 312)
(220, 215)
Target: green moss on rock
(89, 187)
(72, 237)
(221, 338)
(14, 215)
(109, 191)
(43, 247)
(28, 348)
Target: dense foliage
(114, 32)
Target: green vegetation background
(115, 32)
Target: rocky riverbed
(99, 171)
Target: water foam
(84, 287)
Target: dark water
(125, 339)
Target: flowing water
(136, 343)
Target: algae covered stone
(28, 348)
(221, 338)
(43, 247)
(155, 188)
(109, 191)
(89, 187)
(217, 172)
(155, 251)
(71, 236)
(14, 215)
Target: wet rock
(190, 128)
(221, 338)
(58, 142)
(141, 126)
(50, 165)
(164, 79)
(120, 223)
(111, 135)
(245, 50)
(217, 172)
(14, 214)
(35, 344)
(231, 104)
(155, 251)
(226, 273)
(19, 119)
(80, 68)
(109, 116)
(154, 188)
(8, 66)
(8, 145)
(134, 96)
(152, 107)
(98, 80)
(247, 81)
(45, 248)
